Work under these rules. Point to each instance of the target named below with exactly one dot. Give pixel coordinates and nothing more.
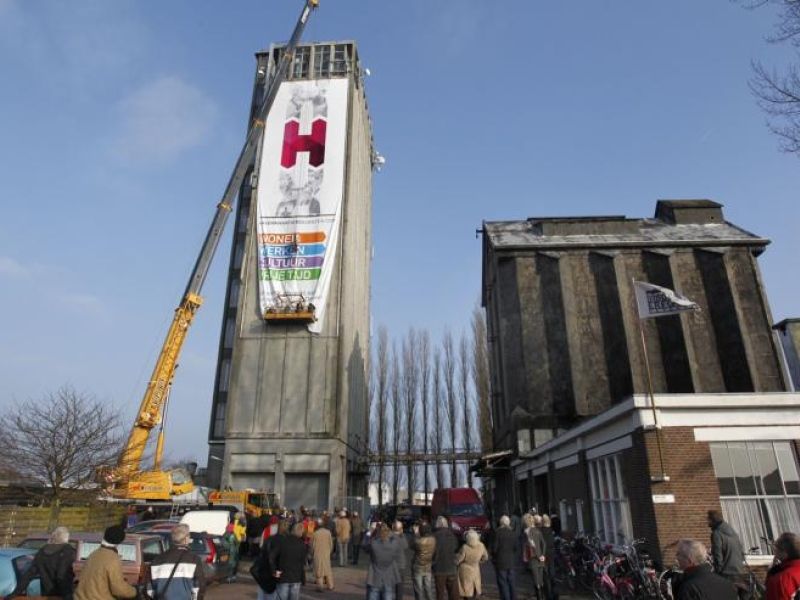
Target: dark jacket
(423, 548)
(53, 566)
(783, 580)
(289, 557)
(188, 580)
(699, 583)
(726, 550)
(264, 566)
(384, 564)
(505, 549)
(444, 554)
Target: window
(322, 61)
(219, 420)
(302, 58)
(151, 549)
(612, 518)
(340, 60)
(759, 489)
(224, 375)
(233, 297)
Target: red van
(463, 509)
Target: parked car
(408, 514)
(211, 549)
(13, 563)
(147, 525)
(34, 541)
(463, 509)
(136, 552)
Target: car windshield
(127, 552)
(466, 510)
(198, 545)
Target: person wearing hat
(101, 577)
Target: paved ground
(350, 585)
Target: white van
(212, 522)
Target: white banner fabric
(299, 194)
(657, 301)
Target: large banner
(300, 188)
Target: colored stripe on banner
(293, 250)
(290, 274)
(310, 237)
(291, 262)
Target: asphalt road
(350, 585)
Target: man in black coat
(53, 566)
(505, 555)
(443, 566)
(699, 582)
(287, 561)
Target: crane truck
(128, 480)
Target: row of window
(759, 485)
(321, 61)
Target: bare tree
(382, 377)
(410, 388)
(480, 377)
(424, 357)
(396, 403)
(451, 405)
(778, 94)
(466, 397)
(437, 432)
(59, 441)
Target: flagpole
(650, 392)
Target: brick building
(569, 378)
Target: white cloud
(163, 119)
(12, 268)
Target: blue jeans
(288, 591)
(384, 592)
(423, 585)
(505, 583)
(262, 595)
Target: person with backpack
(177, 574)
(52, 565)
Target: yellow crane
(127, 479)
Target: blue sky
(121, 121)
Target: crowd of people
(441, 565)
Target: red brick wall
(691, 480)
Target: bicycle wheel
(665, 585)
(600, 591)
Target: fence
(17, 522)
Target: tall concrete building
(564, 332)
(289, 409)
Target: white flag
(657, 301)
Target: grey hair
(472, 537)
(546, 521)
(505, 521)
(537, 520)
(180, 534)
(693, 551)
(60, 535)
(397, 526)
(441, 522)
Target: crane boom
(152, 405)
